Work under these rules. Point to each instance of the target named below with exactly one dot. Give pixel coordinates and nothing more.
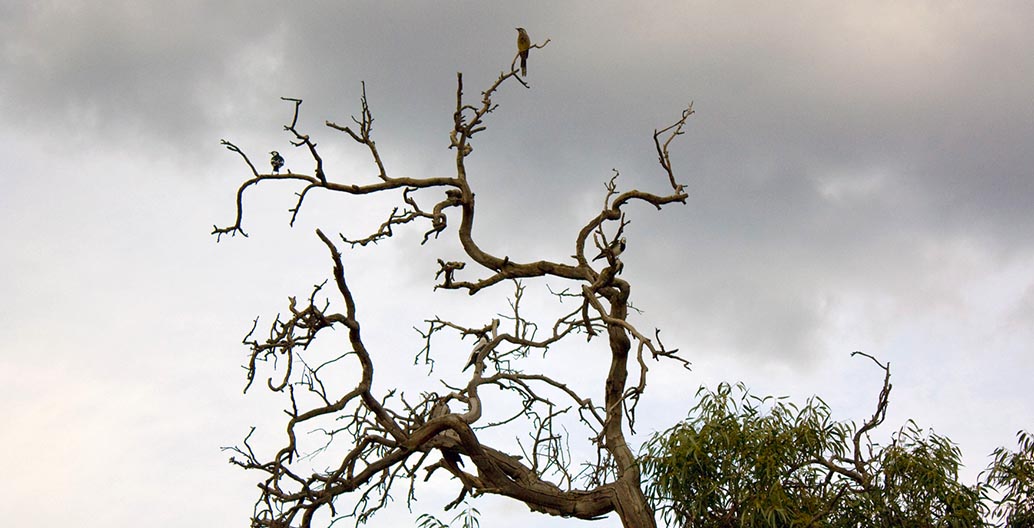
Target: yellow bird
(523, 45)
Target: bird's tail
(524, 65)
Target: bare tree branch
(390, 437)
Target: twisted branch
(389, 437)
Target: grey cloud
(852, 168)
(836, 138)
(127, 69)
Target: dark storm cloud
(123, 69)
(832, 147)
(843, 137)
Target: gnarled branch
(389, 438)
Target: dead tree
(382, 440)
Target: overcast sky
(860, 175)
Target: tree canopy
(740, 460)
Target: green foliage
(466, 518)
(1011, 475)
(743, 461)
(916, 485)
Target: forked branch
(389, 438)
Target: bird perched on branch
(481, 347)
(277, 161)
(523, 45)
(450, 454)
(614, 249)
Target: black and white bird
(614, 249)
(481, 347)
(277, 161)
